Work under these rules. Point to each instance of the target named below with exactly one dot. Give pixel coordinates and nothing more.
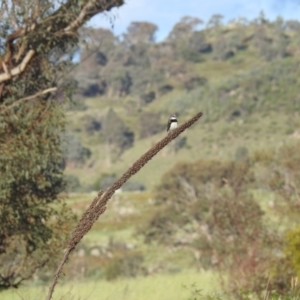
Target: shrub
(149, 124)
(92, 124)
(72, 183)
(206, 206)
(74, 151)
(127, 265)
(292, 249)
(116, 133)
(131, 186)
(164, 89)
(147, 98)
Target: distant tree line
(135, 64)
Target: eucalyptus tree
(38, 39)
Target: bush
(148, 124)
(91, 124)
(164, 89)
(123, 262)
(72, 183)
(127, 265)
(207, 206)
(116, 133)
(147, 98)
(132, 186)
(221, 50)
(292, 249)
(74, 151)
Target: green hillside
(244, 77)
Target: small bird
(172, 123)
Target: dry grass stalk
(98, 206)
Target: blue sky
(165, 13)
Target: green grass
(137, 209)
(175, 282)
(215, 70)
(162, 287)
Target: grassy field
(125, 213)
(163, 287)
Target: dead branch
(98, 205)
(18, 69)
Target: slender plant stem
(98, 206)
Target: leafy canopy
(37, 42)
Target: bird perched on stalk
(172, 123)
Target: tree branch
(5, 108)
(36, 13)
(90, 9)
(1, 89)
(18, 69)
(69, 27)
(81, 17)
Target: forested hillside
(243, 75)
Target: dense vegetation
(209, 207)
(37, 43)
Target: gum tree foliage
(114, 66)
(37, 41)
(118, 136)
(136, 65)
(140, 32)
(138, 39)
(215, 21)
(186, 41)
(94, 55)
